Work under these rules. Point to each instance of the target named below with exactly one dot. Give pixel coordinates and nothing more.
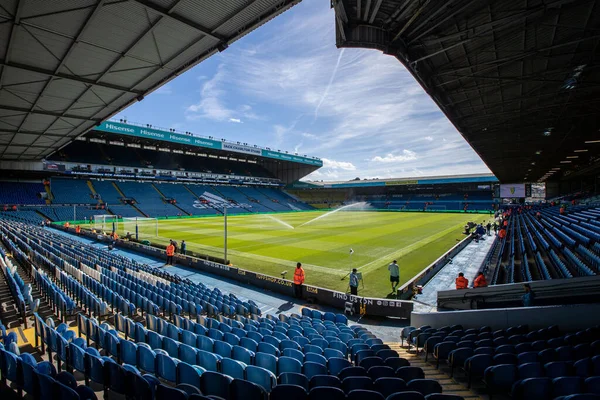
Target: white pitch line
(373, 265)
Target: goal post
(141, 227)
(105, 222)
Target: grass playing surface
(273, 243)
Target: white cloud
(165, 89)
(407, 155)
(363, 106)
(332, 164)
(211, 104)
(236, 120)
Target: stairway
(9, 313)
(93, 190)
(118, 189)
(449, 385)
(49, 192)
(44, 310)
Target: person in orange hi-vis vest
(480, 281)
(170, 253)
(298, 280)
(78, 229)
(502, 233)
(461, 281)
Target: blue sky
(286, 86)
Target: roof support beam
(432, 27)
(62, 63)
(73, 78)
(50, 113)
(168, 13)
(11, 38)
(375, 10)
(402, 8)
(45, 134)
(124, 54)
(509, 59)
(411, 20)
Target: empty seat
(500, 378)
(352, 371)
(325, 380)
(360, 394)
(388, 386)
(292, 378)
(566, 385)
(381, 372)
(215, 384)
(409, 373)
(240, 389)
(288, 392)
(357, 382)
(424, 386)
(329, 393)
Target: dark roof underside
(66, 65)
(503, 71)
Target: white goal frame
(140, 227)
(105, 222)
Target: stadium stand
(543, 363)
(71, 191)
(129, 198)
(21, 193)
(148, 199)
(542, 244)
(139, 327)
(185, 198)
(143, 330)
(102, 154)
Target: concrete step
(449, 385)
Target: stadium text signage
(157, 134)
(240, 148)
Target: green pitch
(272, 243)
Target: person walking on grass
(394, 275)
(354, 282)
(298, 280)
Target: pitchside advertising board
(315, 295)
(512, 190)
(157, 134)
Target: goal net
(140, 227)
(105, 223)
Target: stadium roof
(419, 180)
(519, 79)
(66, 66)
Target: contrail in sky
(337, 64)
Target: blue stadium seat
(245, 390)
(329, 393)
(215, 384)
(288, 392)
(293, 378)
(324, 380)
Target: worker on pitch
(394, 275)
